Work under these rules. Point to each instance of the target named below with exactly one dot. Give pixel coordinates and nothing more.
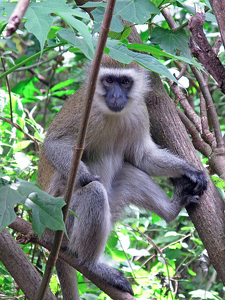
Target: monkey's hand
(197, 182)
(86, 178)
(187, 189)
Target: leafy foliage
(44, 63)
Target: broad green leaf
(157, 53)
(39, 19)
(8, 198)
(79, 26)
(141, 277)
(135, 11)
(38, 22)
(94, 4)
(46, 210)
(69, 36)
(45, 213)
(54, 284)
(122, 54)
(192, 273)
(171, 41)
(118, 255)
(62, 93)
(137, 252)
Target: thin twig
(103, 34)
(200, 145)
(189, 111)
(182, 71)
(206, 134)
(210, 106)
(8, 89)
(17, 126)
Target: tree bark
(168, 131)
(25, 228)
(218, 7)
(20, 267)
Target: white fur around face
(136, 93)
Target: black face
(117, 89)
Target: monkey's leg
(89, 231)
(132, 185)
(68, 280)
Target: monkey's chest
(105, 165)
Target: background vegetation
(42, 63)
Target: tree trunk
(168, 131)
(20, 267)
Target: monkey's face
(116, 89)
(120, 89)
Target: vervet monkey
(118, 160)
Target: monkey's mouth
(115, 108)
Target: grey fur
(118, 159)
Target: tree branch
(205, 53)
(19, 266)
(17, 16)
(189, 111)
(168, 131)
(25, 228)
(79, 147)
(210, 106)
(17, 126)
(218, 7)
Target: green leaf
(80, 27)
(137, 252)
(219, 182)
(39, 19)
(38, 22)
(8, 198)
(122, 54)
(22, 160)
(192, 273)
(21, 145)
(135, 11)
(157, 53)
(203, 294)
(54, 284)
(61, 85)
(172, 41)
(46, 210)
(69, 36)
(45, 213)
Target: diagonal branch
(27, 235)
(204, 52)
(78, 150)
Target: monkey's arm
(59, 151)
(160, 162)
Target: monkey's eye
(109, 80)
(125, 81)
